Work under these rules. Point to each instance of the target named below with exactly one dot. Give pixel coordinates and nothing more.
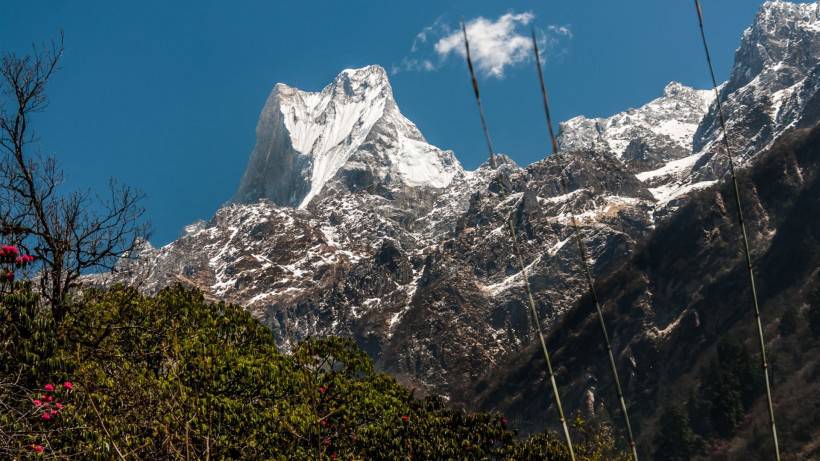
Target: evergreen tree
(788, 322)
(735, 359)
(729, 387)
(699, 411)
(722, 389)
(676, 441)
(813, 313)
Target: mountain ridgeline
(348, 223)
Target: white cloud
(560, 30)
(414, 64)
(439, 27)
(495, 45)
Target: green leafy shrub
(172, 377)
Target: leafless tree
(73, 233)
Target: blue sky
(165, 95)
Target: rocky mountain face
(773, 85)
(672, 302)
(347, 222)
(685, 289)
(646, 138)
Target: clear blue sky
(165, 95)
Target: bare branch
(74, 233)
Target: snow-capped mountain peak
(647, 137)
(351, 133)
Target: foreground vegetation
(125, 376)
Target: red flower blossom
(48, 398)
(37, 402)
(46, 416)
(405, 419)
(322, 390)
(68, 385)
(37, 448)
(9, 250)
(49, 387)
(326, 441)
(58, 405)
(23, 260)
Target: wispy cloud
(560, 30)
(495, 45)
(439, 27)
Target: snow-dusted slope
(654, 141)
(672, 143)
(350, 133)
(774, 86)
(647, 137)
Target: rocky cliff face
(347, 222)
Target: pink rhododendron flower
(9, 250)
(49, 387)
(46, 416)
(68, 385)
(23, 260)
(37, 402)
